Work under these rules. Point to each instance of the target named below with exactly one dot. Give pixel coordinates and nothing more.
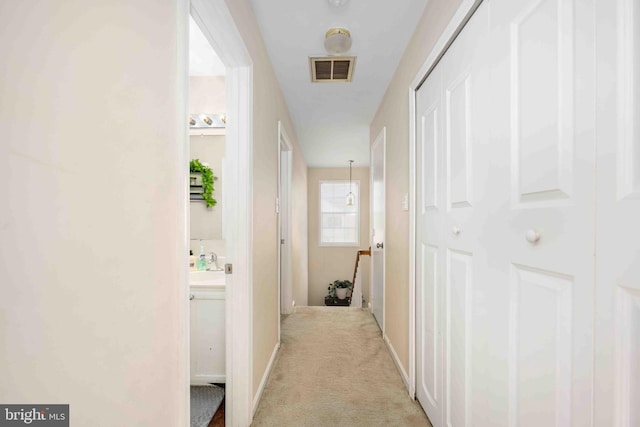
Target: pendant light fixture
(350, 197)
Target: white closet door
(429, 250)
(540, 238)
(505, 222)
(617, 393)
(451, 121)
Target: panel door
(378, 228)
(429, 249)
(451, 124)
(539, 233)
(617, 358)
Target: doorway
(206, 226)
(285, 163)
(378, 228)
(217, 24)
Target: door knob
(380, 245)
(532, 236)
(456, 230)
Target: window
(339, 223)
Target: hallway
(333, 369)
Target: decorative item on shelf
(203, 178)
(339, 293)
(350, 197)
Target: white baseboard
(265, 378)
(396, 360)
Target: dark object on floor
(329, 301)
(218, 418)
(204, 403)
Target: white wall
(93, 217)
(300, 248)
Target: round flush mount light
(337, 41)
(337, 3)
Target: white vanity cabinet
(207, 334)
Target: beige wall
(207, 94)
(394, 114)
(93, 225)
(299, 239)
(329, 263)
(269, 107)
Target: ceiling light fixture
(337, 3)
(207, 120)
(337, 41)
(350, 197)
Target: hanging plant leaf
(207, 181)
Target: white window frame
(355, 244)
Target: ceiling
(332, 119)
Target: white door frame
(215, 20)
(285, 211)
(380, 139)
(457, 22)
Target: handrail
(366, 252)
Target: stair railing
(356, 292)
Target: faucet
(213, 259)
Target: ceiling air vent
(332, 68)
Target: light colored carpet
(204, 403)
(333, 369)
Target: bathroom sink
(206, 278)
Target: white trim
(396, 361)
(286, 294)
(265, 378)
(384, 252)
(182, 137)
(217, 24)
(355, 244)
(446, 38)
(412, 242)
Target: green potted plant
(196, 167)
(341, 288)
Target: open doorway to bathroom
(214, 19)
(207, 240)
